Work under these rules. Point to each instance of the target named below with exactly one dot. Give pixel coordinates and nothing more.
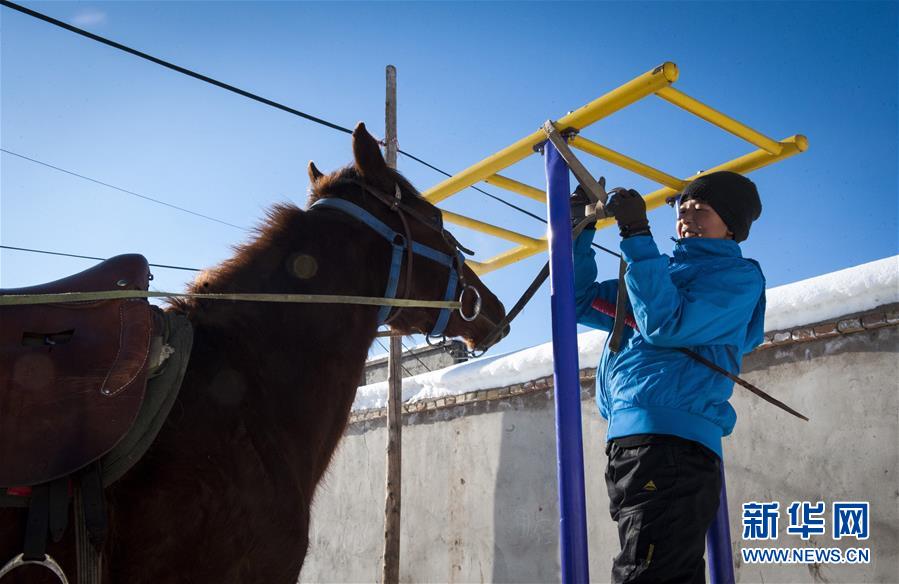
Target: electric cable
(247, 94)
(99, 182)
(401, 357)
(72, 255)
(172, 66)
(409, 351)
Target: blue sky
(473, 78)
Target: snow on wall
(833, 295)
(482, 373)
(808, 301)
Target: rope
(64, 297)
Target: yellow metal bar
(476, 266)
(517, 187)
(488, 228)
(634, 90)
(724, 122)
(510, 257)
(517, 254)
(627, 162)
(744, 164)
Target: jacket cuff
(639, 247)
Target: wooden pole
(391, 565)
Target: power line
(151, 199)
(409, 351)
(126, 191)
(494, 197)
(246, 94)
(238, 91)
(401, 357)
(72, 255)
(172, 66)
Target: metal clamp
(594, 191)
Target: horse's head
(432, 267)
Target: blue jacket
(707, 298)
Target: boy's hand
(629, 210)
(582, 206)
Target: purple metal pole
(721, 559)
(569, 443)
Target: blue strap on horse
(396, 264)
(399, 243)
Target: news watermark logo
(847, 519)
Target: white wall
(479, 480)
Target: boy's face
(696, 218)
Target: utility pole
(391, 565)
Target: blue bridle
(399, 243)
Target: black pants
(663, 493)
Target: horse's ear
(369, 161)
(314, 173)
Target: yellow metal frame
(657, 81)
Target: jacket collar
(693, 247)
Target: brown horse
(224, 493)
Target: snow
(809, 301)
(482, 373)
(833, 295)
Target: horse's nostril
(506, 330)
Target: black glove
(629, 210)
(582, 206)
(579, 202)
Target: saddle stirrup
(48, 562)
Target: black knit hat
(733, 196)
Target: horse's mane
(280, 220)
(281, 224)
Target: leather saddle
(72, 375)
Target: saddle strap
(59, 508)
(48, 512)
(93, 502)
(91, 525)
(38, 524)
(87, 557)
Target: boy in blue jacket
(667, 413)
